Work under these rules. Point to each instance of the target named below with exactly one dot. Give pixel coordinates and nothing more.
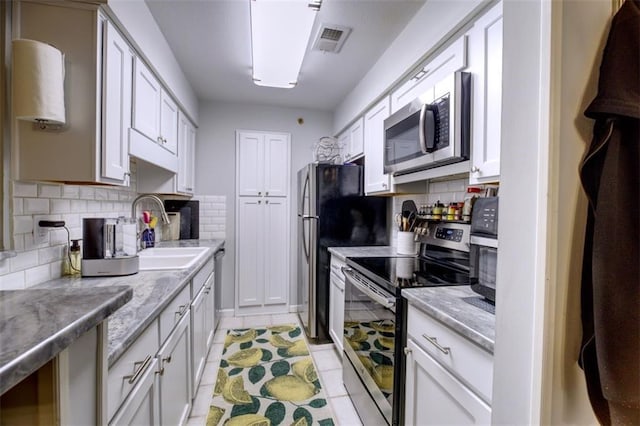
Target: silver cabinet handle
(181, 310)
(266, 193)
(475, 169)
(260, 193)
(259, 201)
(407, 350)
(142, 366)
(384, 185)
(435, 343)
(159, 139)
(266, 202)
(163, 360)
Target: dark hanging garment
(610, 174)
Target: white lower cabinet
(174, 367)
(142, 406)
(336, 305)
(435, 397)
(156, 379)
(448, 378)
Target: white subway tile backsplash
(24, 260)
(55, 269)
(70, 191)
(22, 224)
(87, 193)
(37, 275)
(51, 254)
(25, 189)
(101, 194)
(78, 205)
(60, 206)
(94, 206)
(36, 206)
(14, 281)
(438, 187)
(18, 242)
(18, 206)
(49, 191)
(4, 267)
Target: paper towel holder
(38, 84)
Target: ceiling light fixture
(280, 33)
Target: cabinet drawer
(470, 363)
(172, 314)
(130, 368)
(201, 277)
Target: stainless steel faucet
(163, 213)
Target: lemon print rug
(267, 377)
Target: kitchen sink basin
(160, 258)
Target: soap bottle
(75, 258)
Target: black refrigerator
(332, 212)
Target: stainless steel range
(375, 317)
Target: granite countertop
(33, 328)
(447, 305)
(152, 292)
(365, 251)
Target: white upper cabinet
(485, 63)
(117, 81)
(352, 141)
(375, 179)
(263, 158)
(92, 147)
(452, 59)
(186, 155)
(155, 114)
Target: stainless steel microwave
(431, 131)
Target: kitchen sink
(160, 258)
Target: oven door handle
(387, 302)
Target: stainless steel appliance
(431, 131)
(332, 212)
(375, 317)
(484, 247)
(219, 254)
(109, 247)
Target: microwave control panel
(449, 234)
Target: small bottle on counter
(73, 259)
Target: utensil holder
(406, 243)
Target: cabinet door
(142, 405)
(250, 164)
(146, 101)
(168, 122)
(276, 239)
(485, 63)
(356, 139)
(336, 311)
(198, 338)
(117, 92)
(452, 59)
(435, 397)
(343, 143)
(276, 159)
(250, 262)
(174, 375)
(186, 155)
(209, 310)
(375, 179)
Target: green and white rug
(267, 377)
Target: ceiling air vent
(330, 38)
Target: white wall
(581, 33)
(135, 19)
(434, 22)
(215, 162)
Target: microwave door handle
(427, 133)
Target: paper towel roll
(38, 81)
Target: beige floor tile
(202, 401)
(285, 319)
(344, 412)
(210, 373)
(197, 421)
(216, 352)
(230, 322)
(257, 321)
(332, 382)
(327, 360)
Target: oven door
(369, 343)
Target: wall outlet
(40, 234)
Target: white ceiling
(211, 41)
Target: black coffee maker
(109, 247)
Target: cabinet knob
(384, 185)
(259, 193)
(259, 201)
(407, 350)
(266, 193)
(475, 169)
(159, 139)
(266, 202)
